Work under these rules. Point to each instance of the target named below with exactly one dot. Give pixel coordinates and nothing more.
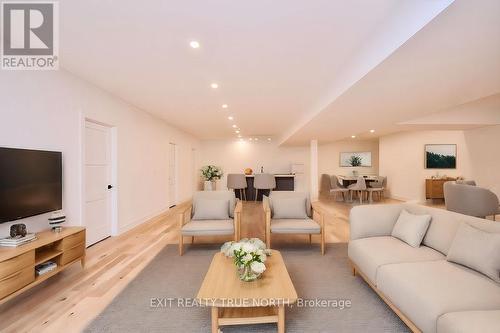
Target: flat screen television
(30, 183)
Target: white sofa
(429, 293)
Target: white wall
(46, 110)
(402, 160)
(484, 156)
(329, 157)
(234, 156)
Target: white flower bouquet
(211, 172)
(249, 256)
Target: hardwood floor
(68, 301)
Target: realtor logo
(29, 35)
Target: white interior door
(172, 174)
(97, 182)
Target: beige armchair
(470, 200)
(212, 213)
(288, 212)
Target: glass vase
(246, 274)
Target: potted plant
(210, 174)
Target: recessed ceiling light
(256, 139)
(230, 118)
(214, 85)
(224, 106)
(372, 131)
(250, 139)
(239, 136)
(353, 136)
(237, 132)
(194, 44)
(268, 139)
(234, 126)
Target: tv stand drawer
(71, 241)
(15, 264)
(16, 281)
(72, 254)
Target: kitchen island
(284, 182)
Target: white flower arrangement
(211, 172)
(249, 256)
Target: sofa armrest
(373, 220)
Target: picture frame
(356, 159)
(440, 156)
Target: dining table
(348, 180)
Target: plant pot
(208, 186)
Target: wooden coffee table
(235, 302)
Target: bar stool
(236, 181)
(263, 181)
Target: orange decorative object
(248, 171)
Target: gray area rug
(168, 276)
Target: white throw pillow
(411, 228)
(476, 249)
(289, 208)
(211, 209)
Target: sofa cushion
(411, 228)
(371, 253)
(295, 226)
(289, 208)
(478, 250)
(208, 228)
(211, 209)
(469, 322)
(423, 291)
(444, 224)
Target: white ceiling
(454, 60)
(278, 63)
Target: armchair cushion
(227, 195)
(289, 208)
(211, 209)
(276, 195)
(208, 228)
(295, 226)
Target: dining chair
(377, 187)
(336, 188)
(263, 181)
(237, 181)
(359, 187)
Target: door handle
(110, 187)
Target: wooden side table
(434, 187)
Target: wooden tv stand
(17, 265)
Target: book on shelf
(17, 240)
(45, 267)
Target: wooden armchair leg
(181, 247)
(322, 243)
(322, 235)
